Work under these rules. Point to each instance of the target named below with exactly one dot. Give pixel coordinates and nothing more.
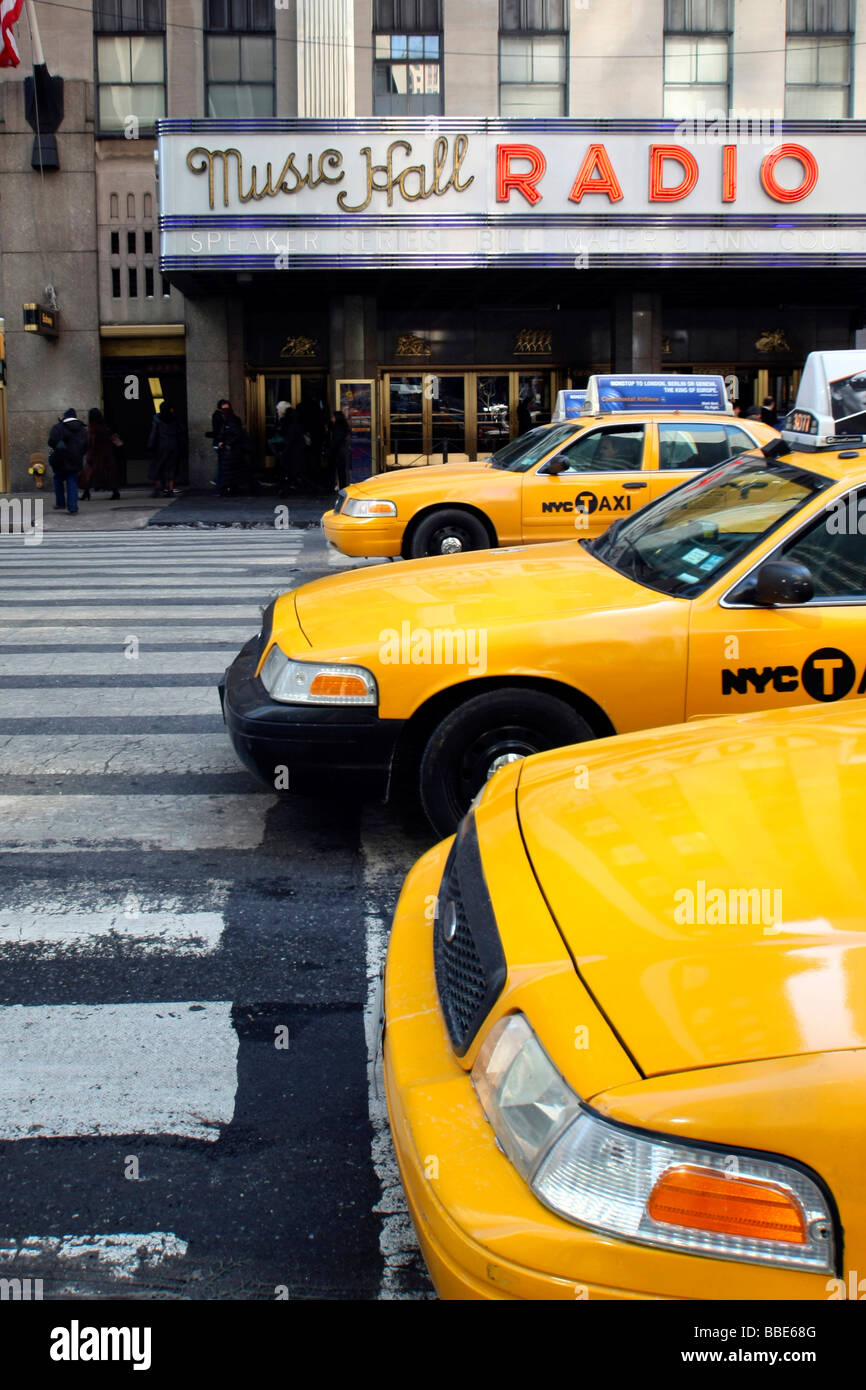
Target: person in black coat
(768, 411)
(234, 455)
(67, 443)
(288, 446)
(340, 448)
(524, 415)
(167, 443)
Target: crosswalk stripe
(166, 1068)
(64, 824)
(224, 584)
(47, 637)
(78, 754)
(24, 612)
(71, 702)
(122, 1255)
(184, 933)
(118, 663)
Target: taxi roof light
(703, 1200)
(830, 409)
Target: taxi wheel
(484, 734)
(448, 532)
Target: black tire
(462, 750)
(448, 531)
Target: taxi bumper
(363, 536)
(317, 745)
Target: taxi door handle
(632, 486)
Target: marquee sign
(444, 192)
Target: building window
(130, 64)
(239, 57)
(533, 55)
(407, 58)
(818, 60)
(697, 58)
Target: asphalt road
(187, 962)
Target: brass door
(306, 392)
(454, 416)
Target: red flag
(10, 13)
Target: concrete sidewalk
(198, 509)
(131, 513)
(136, 509)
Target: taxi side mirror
(781, 581)
(560, 463)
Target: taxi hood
(344, 615)
(709, 883)
(383, 484)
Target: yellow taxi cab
(625, 1020)
(742, 589)
(635, 438)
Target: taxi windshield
(693, 534)
(523, 452)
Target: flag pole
(35, 39)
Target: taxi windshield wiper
(639, 559)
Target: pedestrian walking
(524, 416)
(233, 447)
(287, 443)
(67, 443)
(214, 434)
(99, 459)
(167, 443)
(768, 411)
(340, 449)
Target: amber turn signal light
(708, 1201)
(328, 684)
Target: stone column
(636, 333)
(48, 237)
(353, 349)
(214, 368)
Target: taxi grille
(339, 500)
(470, 968)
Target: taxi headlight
(368, 506)
(313, 683)
(643, 1187)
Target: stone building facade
(133, 332)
